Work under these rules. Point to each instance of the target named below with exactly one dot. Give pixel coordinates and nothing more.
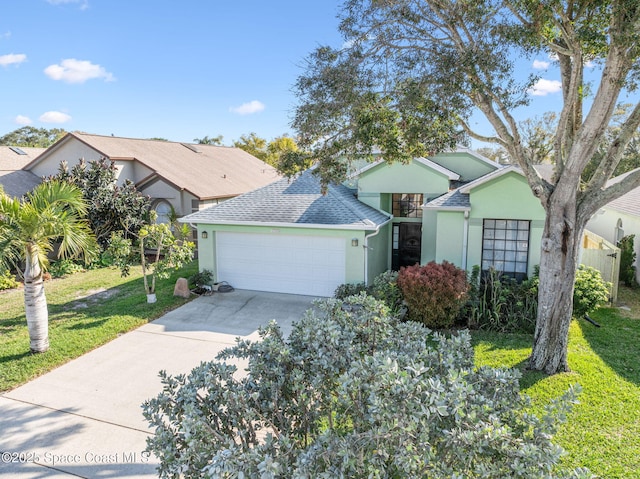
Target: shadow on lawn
(501, 346)
(616, 342)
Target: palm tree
(53, 214)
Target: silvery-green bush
(352, 393)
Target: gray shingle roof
(454, 199)
(629, 202)
(299, 202)
(13, 179)
(18, 183)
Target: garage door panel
(309, 265)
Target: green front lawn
(603, 432)
(86, 310)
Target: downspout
(365, 248)
(465, 239)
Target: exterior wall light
(354, 242)
(204, 235)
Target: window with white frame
(505, 247)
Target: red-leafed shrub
(434, 293)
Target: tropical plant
(352, 392)
(499, 303)
(158, 249)
(52, 216)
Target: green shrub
(499, 303)
(384, 288)
(64, 267)
(590, 291)
(201, 278)
(8, 280)
(352, 392)
(434, 293)
(627, 258)
(350, 289)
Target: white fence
(603, 256)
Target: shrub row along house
(457, 206)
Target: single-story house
(619, 218)
(16, 181)
(179, 178)
(456, 206)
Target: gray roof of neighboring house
(206, 171)
(13, 179)
(294, 202)
(629, 202)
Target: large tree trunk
(35, 305)
(558, 263)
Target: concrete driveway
(84, 419)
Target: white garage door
(310, 265)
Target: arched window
(164, 211)
(619, 232)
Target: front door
(407, 245)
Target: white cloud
(249, 108)
(12, 58)
(540, 65)
(77, 71)
(54, 117)
(5, 35)
(84, 4)
(22, 120)
(543, 87)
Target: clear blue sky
(175, 69)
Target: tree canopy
(214, 140)
(110, 207)
(412, 73)
(33, 137)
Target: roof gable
(467, 163)
(297, 202)
(206, 171)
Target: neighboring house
(456, 206)
(14, 180)
(619, 218)
(180, 178)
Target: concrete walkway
(84, 419)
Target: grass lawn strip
(86, 310)
(603, 431)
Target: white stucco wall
(605, 223)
